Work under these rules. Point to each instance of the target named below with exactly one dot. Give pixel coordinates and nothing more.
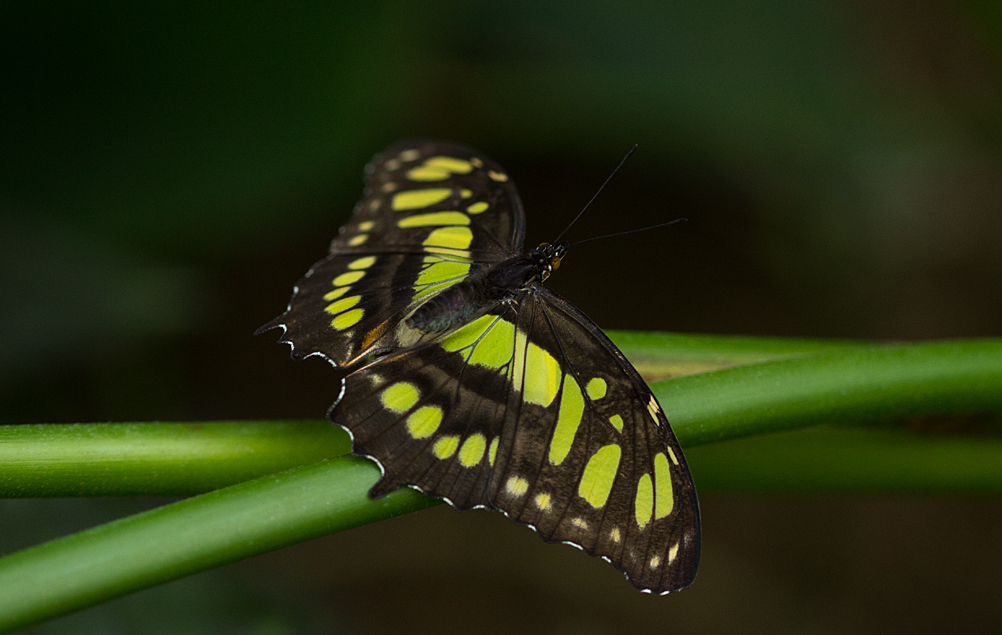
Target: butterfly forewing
(432, 213)
(519, 402)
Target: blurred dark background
(168, 172)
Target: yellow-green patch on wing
(349, 277)
(468, 334)
(496, 347)
(417, 199)
(644, 503)
(664, 500)
(472, 451)
(537, 373)
(599, 475)
(342, 305)
(424, 421)
(596, 388)
(434, 218)
(451, 237)
(347, 319)
(445, 446)
(568, 420)
(400, 397)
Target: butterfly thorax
(485, 289)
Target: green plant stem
(855, 384)
(837, 460)
(660, 356)
(176, 540)
(150, 459)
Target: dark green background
(167, 173)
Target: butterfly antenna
(632, 231)
(609, 178)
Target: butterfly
(470, 380)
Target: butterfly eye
(555, 263)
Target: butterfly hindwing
(431, 214)
(432, 416)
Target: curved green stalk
(848, 384)
(856, 385)
(839, 460)
(840, 383)
(151, 459)
(192, 535)
(660, 356)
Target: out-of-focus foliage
(167, 171)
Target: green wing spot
(664, 499)
(497, 346)
(446, 446)
(417, 199)
(343, 305)
(400, 397)
(467, 335)
(459, 166)
(477, 208)
(424, 421)
(537, 373)
(452, 237)
(599, 474)
(473, 450)
(336, 293)
(644, 504)
(440, 271)
(568, 421)
(362, 263)
(350, 277)
(434, 218)
(617, 422)
(347, 319)
(422, 173)
(596, 388)
(492, 453)
(439, 169)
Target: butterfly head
(547, 258)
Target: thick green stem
(845, 384)
(660, 356)
(856, 385)
(150, 459)
(207, 531)
(837, 460)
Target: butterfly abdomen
(482, 291)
